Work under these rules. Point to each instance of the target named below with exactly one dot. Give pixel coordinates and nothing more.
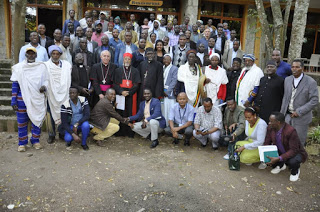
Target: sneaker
(294, 178)
(262, 165)
(37, 146)
(277, 169)
(226, 157)
(22, 148)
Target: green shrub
(314, 136)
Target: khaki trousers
(111, 129)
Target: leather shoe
(203, 145)
(51, 140)
(175, 141)
(68, 144)
(186, 142)
(85, 147)
(154, 143)
(99, 143)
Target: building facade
(22, 16)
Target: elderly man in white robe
(58, 89)
(29, 82)
(216, 80)
(170, 73)
(248, 82)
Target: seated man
(234, 122)
(104, 117)
(180, 120)
(290, 149)
(75, 113)
(208, 123)
(150, 118)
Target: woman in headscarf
(216, 80)
(170, 73)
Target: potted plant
(313, 141)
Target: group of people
(158, 78)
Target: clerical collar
(272, 76)
(81, 66)
(105, 65)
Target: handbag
(234, 158)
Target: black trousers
(293, 163)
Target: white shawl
(59, 84)
(217, 78)
(31, 76)
(247, 84)
(190, 81)
(166, 71)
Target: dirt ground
(127, 175)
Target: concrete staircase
(8, 121)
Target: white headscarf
(214, 54)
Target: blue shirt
(284, 70)
(65, 26)
(114, 43)
(76, 112)
(204, 41)
(279, 142)
(180, 115)
(42, 55)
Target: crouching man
(290, 149)
(75, 113)
(151, 122)
(208, 123)
(180, 120)
(105, 119)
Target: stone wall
(189, 8)
(250, 32)
(3, 41)
(74, 5)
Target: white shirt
(128, 49)
(297, 80)
(234, 55)
(218, 43)
(200, 55)
(90, 46)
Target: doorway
(45, 17)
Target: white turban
(214, 54)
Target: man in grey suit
(228, 56)
(300, 97)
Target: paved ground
(127, 175)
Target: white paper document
(121, 101)
(267, 148)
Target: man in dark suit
(139, 55)
(91, 44)
(42, 35)
(212, 47)
(105, 46)
(300, 98)
(290, 150)
(220, 40)
(150, 118)
(88, 56)
(57, 35)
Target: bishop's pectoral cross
(127, 83)
(104, 81)
(146, 74)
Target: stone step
(5, 63)
(6, 110)
(5, 71)
(5, 84)
(5, 91)
(5, 77)
(5, 100)
(9, 124)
